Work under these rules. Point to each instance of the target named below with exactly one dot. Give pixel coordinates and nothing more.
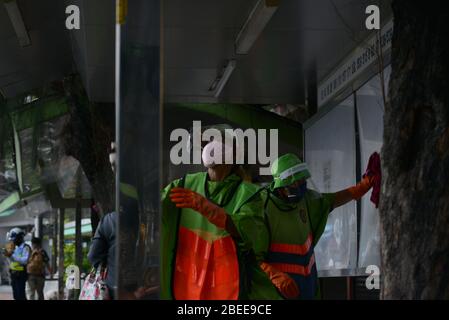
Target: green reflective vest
(19, 252)
(243, 203)
(294, 231)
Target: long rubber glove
(282, 281)
(186, 198)
(361, 188)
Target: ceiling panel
(93, 48)
(302, 35)
(194, 14)
(198, 38)
(48, 58)
(197, 48)
(27, 68)
(55, 52)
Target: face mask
(213, 154)
(297, 193)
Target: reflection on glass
(138, 148)
(370, 111)
(330, 154)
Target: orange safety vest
(206, 266)
(205, 270)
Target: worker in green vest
(296, 217)
(213, 235)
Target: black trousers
(18, 283)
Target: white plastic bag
(94, 287)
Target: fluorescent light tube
(253, 27)
(221, 81)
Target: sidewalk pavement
(5, 293)
(51, 286)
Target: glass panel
(42, 154)
(370, 110)
(29, 164)
(8, 176)
(139, 118)
(330, 154)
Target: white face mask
(213, 154)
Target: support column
(54, 242)
(61, 254)
(137, 84)
(78, 216)
(78, 245)
(38, 226)
(78, 236)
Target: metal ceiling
(302, 35)
(47, 58)
(93, 47)
(55, 51)
(198, 38)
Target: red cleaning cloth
(374, 170)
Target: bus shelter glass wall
(8, 174)
(370, 111)
(331, 155)
(139, 119)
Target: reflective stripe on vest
(15, 266)
(296, 269)
(301, 249)
(298, 261)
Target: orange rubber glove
(185, 198)
(361, 188)
(282, 281)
